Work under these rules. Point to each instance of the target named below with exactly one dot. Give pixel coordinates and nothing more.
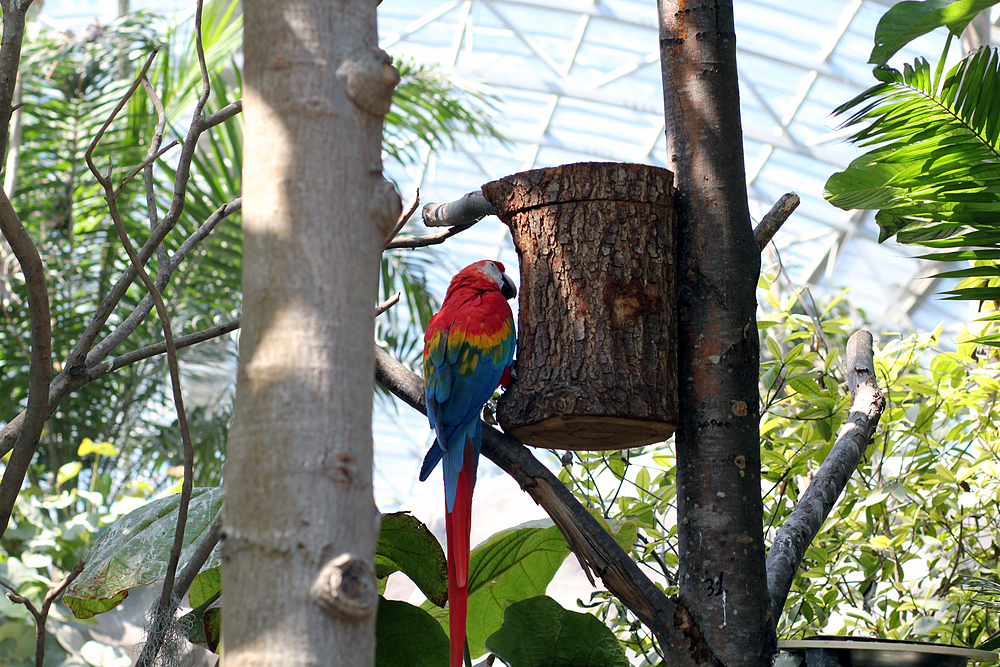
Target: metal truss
(581, 81)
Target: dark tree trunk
(720, 515)
(595, 241)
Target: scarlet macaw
(468, 350)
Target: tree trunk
(301, 523)
(720, 514)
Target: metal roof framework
(580, 80)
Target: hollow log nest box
(596, 349)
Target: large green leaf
(514, 565)
(405, 544)
(538, 632)
(407, 636)
(135, 549)
(908, 20)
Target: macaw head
(485, 274)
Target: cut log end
(593, 433)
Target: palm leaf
(933, 171)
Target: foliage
(134, 551)
(429, 108)
(906, 21)
(918, 516)
(932, 171)
(538, 632)
(74, 491)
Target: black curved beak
(507, 287)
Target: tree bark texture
(596, 366)
(301, 524)
(720, 513)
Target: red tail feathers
(458, 523)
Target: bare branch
(40, 368)
(111, 195)
(427, 240)
(814, 506)
(166, 271)
(73, 377)
(154, 146)
(775, 218)
(387, 304)
(222, 115)
(593, 546)
(159, 348)
(198, 558)
(10, 59)
(41, 616)
(111, 117)
(404, 217)
(468, 209)
(165, 607)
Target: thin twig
(146, 164)
(40, 368)
(387, 304)
(41, 616)
(775, 218)
(154, 146)
(165, 272)
(427, 240)
(197, 560)
(165, 608)
(161, 347)
(404, 217)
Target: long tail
(458, 523)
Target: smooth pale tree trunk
(719, 509)
(300, 522)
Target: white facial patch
(491, 270)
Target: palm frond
(933, 171)
(430, 108)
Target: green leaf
(205, 585)
(405, 544)
(538, 632)
(513, 565)
(906, 21)
(134, 551)
(407, 636)
(204, 623)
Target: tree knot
(345, 587)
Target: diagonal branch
(814, 506)
(775, 218)
(40, 369)
(594, 547)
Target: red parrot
(468, 350)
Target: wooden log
(596, 361)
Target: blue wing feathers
(460, 376)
